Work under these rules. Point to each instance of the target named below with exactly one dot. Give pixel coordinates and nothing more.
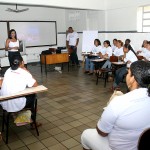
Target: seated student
(125, 117)
(143, 48)
(114, 45)
(146, 54)
(89, 65)
(118, 52)
(16, 79)
(105, 54)
(128, 41)
(129, 57)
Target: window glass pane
(146, 15)
(146, 22)
(146, 8)
(146, 29)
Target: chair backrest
(113, 59)
(144, 140)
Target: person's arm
(67, 44)
(101, 133)
(108, 118)
(32, 78)
(77, 41)
(7, 45)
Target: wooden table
(25, 92)
(54, 59)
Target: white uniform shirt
(72, 38)
(15, 81)
(108, 51)
(130, 56)
(147, 55)
(96, 49)
(13, 44)
(118, 51)
(113, 47)
(125, 118)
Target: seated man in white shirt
(16, 79)
(126, 116)
(129, 57)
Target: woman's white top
(130, 56)
(14, 44)
(96, 49)
(108, 50)
(125, 118)
(118, 51)
(15, 81)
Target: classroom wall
(37, 14)
(84, 4)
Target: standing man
(72, 43)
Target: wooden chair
(144, 140)
(105, 71)
(6, 119)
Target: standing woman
(12, 45)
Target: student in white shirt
(126, 116)
(117, 52)
(114, 45)
(89, 65)
(72, 43)
(16, 79)
(129, 57)
(119, 49)
(128, 41)
(143, 48)
(12, 45)
(146, 54)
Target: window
(143, 19)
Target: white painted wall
(114, 4)
(37, 14)
(79, 4)
(121, 19)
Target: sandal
(38, 124)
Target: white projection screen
(36, 33)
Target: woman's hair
(98, 41)
(128, 46)
(141, 72)
(145, 41)
(9, 35)
(16, 62)
(127, 40)
(114, 39)
(119, 41)
(108, 42)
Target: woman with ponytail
(129, 57)
(16, 79)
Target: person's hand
(129, 62)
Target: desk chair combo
(105, 71)
(6, 118)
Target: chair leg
(97, 79)
(7, 127)
(3, 121)
(34, 120)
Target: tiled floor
(73, 103)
